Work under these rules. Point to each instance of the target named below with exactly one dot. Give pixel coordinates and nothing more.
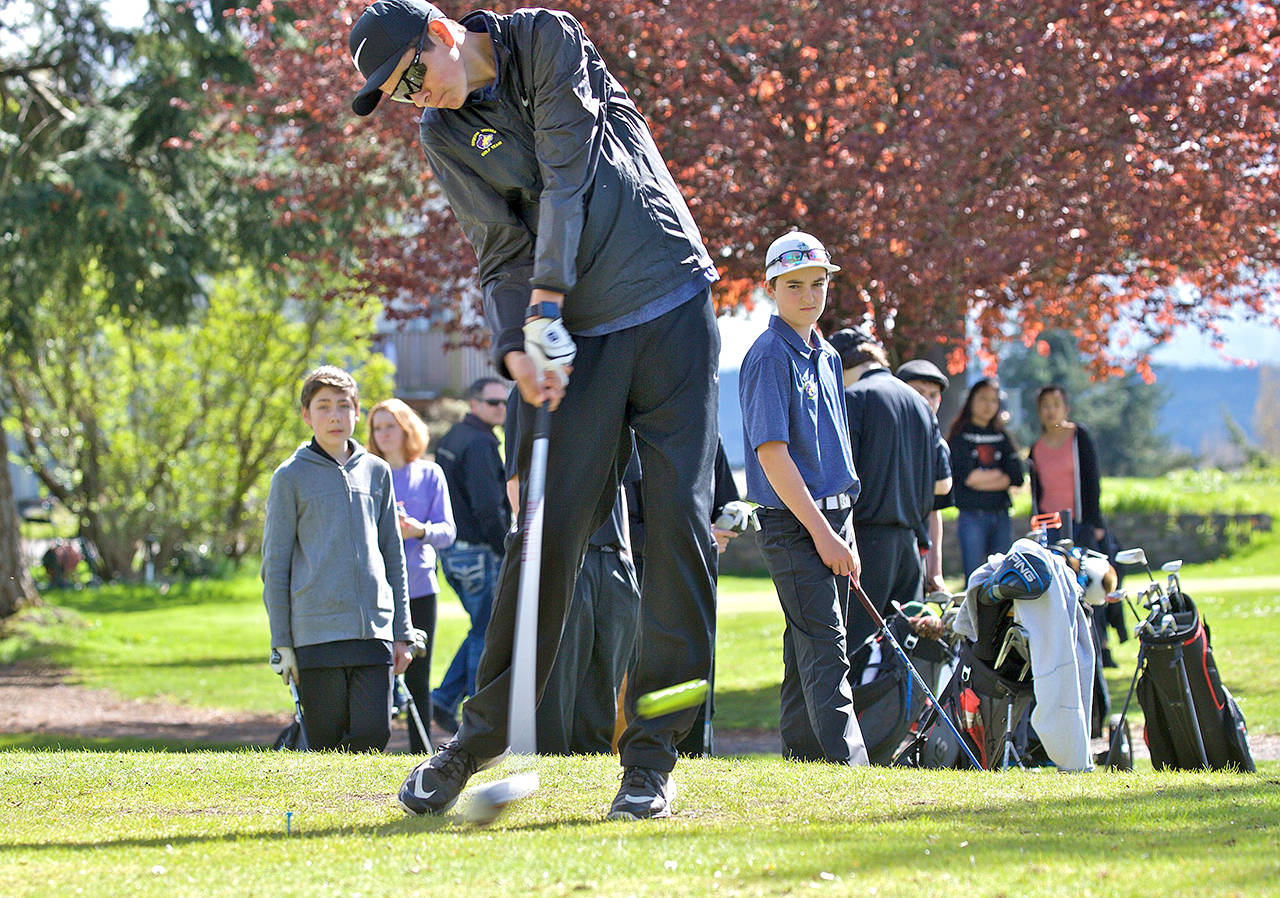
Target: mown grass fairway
(214, 824)
(123, 818)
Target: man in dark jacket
(468, 455)
(901, 458)
(590, 264)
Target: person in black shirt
(985, 464)
(472, 467)
(897, 452)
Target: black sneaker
(443, 720)
(644, 793)
(435, 784)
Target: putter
(521, 720)
(888, 635)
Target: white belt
(835, 503)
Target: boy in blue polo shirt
(801, 473)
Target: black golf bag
(986, 705)
(1192, 720)
(891, 702)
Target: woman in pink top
(1064, 470)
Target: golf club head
(1131, 556)
(486, 803)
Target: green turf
(149, 824)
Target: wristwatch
(542, 310)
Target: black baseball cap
(847, 340)
(378, 40)
(923, 369)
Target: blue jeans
(982, 533)
(472, 571)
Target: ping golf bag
(890, 702)
(1025, 646)
(1192, 720)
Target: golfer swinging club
(597, 290)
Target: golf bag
(1192, 720)
(890, 702)
(986, 705)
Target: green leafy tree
(104, 175)
(1120, 412)
(169, 433)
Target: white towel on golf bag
(1062, 655)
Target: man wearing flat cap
(895, 439)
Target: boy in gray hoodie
(333, 574)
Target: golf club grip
(521, 722)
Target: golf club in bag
(889, 638)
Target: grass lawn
(125, 818)
(202, 824)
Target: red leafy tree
(1004, 167)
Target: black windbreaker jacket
(556, 181)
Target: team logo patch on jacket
(484, 140)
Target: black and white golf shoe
(644, 793)
(435, 784)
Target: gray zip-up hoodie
(332, 560)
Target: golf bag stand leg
(1115, 736)
(883, 627)
(1191, 707)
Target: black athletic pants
(658, 378)
(891, 572)
(422, 612)
(347, 708)
(817, 717)
(578, 708)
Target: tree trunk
(16, 588)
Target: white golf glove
(737, 516)
(549, 345)
(285, 663)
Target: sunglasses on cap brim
(792, 256)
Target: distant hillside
(1194, 417)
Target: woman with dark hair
(399, 436)
(984, 465)
(1064, 470)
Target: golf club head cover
(737, 516)
(285, 663)
(1022, 575)
(548, 344)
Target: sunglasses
(493, 402)
(411, 79)
(792, 256)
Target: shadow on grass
(125, 597)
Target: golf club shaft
(521, 721)
(888, 634)
(297, 712)
(413, 712)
